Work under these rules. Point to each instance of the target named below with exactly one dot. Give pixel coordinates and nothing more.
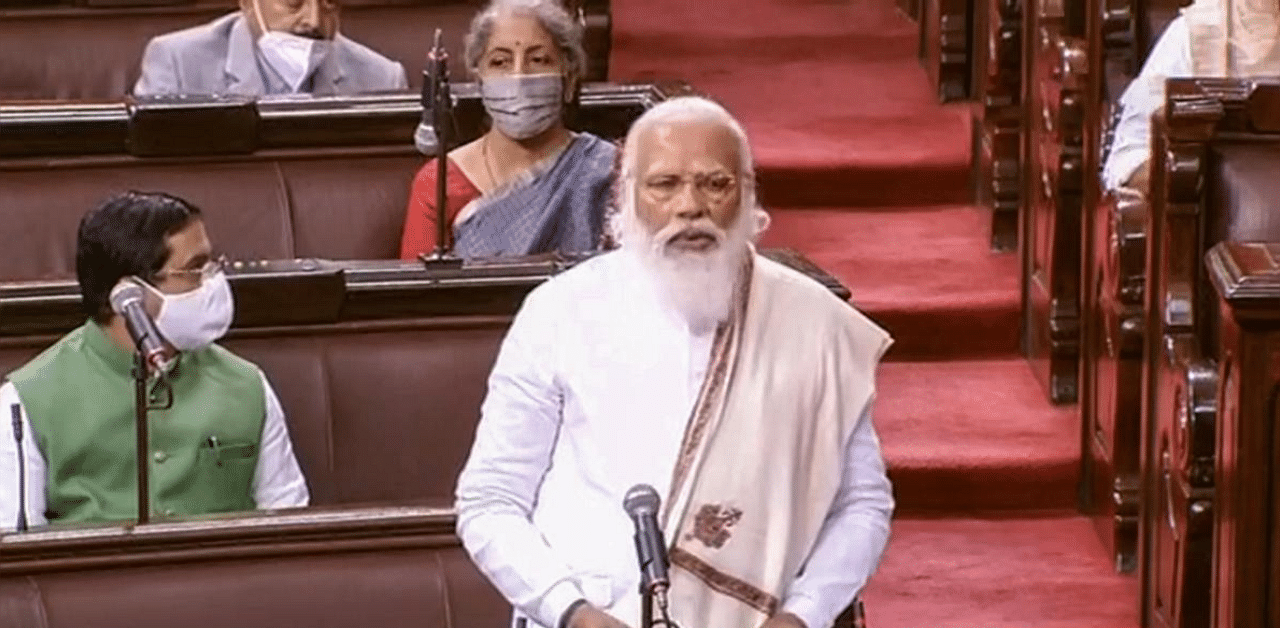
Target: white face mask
(197, 318)
(294, 58)
(523, 105)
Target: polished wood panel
(1195, 201)
(1246, 580)
(1112, 256)
(998, 119)
(1053, 88)
(945, 46)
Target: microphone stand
(437, 94)
(143, 402)
(140, 407)
(16, 411)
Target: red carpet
(867, 175)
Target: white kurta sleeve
(853, 537)
(32, 462)
(496, 492)
(1131, 148)
(277, 480)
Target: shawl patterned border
(724, 583)
(713, 386)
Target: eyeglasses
(209, 269)
(715, 187)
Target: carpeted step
(974, 436)
(1044, 572)
(926, 274)
(837, 107)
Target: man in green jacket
(222, 446)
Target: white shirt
(1131, 148)
(277, 478)
(589, 396)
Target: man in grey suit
(268, 47)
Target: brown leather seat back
(380, 412)
(354, 204)
(432, 588)
(91, 54)
(72, 53)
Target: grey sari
(559, 206)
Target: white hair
(677, 110)
(699, 286)
(565, 31)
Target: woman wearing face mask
(528, 185)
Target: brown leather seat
(382, 566)
(72, 53)
(354, 204)
(427, 588)
(379, 411)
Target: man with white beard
(738, 388)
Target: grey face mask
(523, 105)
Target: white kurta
(1131, 148)
(589, 396)
(277, 478)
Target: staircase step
(926, 274)
(974, 436)
(1048, 571)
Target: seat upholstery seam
(286, 203)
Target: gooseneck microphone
(642, 505)
(16, 411)
(126, 300)
(442, 120)
(425, 138)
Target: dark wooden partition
(1246, 549)
(1215, 154)
(997, 144)
(1053, 94)
(1113, 240)
(1110, 294)
(946, 45)
(40, 63)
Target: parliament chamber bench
(1159, 454)
(381, 367)
(92, 50)
(277, 178)
(1043, 77)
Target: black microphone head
(125, 292)
(642, 499)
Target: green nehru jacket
(78, 395)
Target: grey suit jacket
(221, 58)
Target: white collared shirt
(277, 478)
(589, 396)
(1131, 148)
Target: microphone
(16, 411)
(642, 503)
(126, 300)
(435, 89)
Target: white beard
(699, 286)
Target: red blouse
(420, 218)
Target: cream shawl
(1234, 38)
(761, 461)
